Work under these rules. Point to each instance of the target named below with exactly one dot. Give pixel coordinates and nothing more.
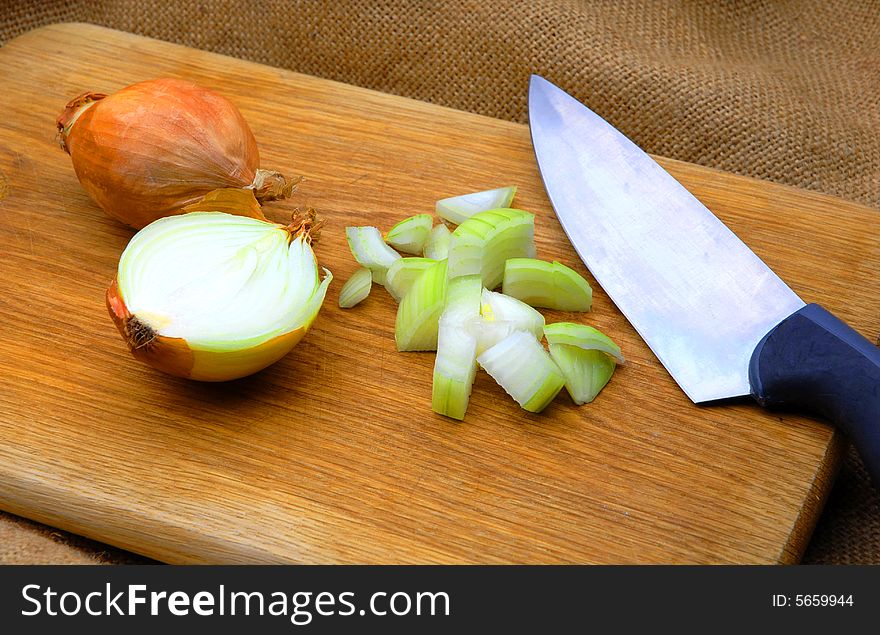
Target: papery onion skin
(173, 355)
(230, 201)
(154, 147)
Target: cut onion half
(214, 296)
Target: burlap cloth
(784, 91)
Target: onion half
(213, 296)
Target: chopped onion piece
(501, 315)
(356, 288)
(545, 284)
(489, 332)
(463, 296)
(456, 364)
(458, 209)
(485, 241)
(454, 371)
(523, 368)
(370, 250)
(582, 336)
(419, 311)
(437, 247)
(403, 273)
(586, 371)
(411, 234)
(497, 306)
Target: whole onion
(154, 147)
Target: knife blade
(715, 315)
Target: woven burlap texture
(783, 91)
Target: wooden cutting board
(333, 455)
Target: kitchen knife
(720, 321)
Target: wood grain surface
(333, 455)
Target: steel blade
(695, 292)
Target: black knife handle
(813, 361)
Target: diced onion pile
(447, 303)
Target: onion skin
(230, 201)
(173, 355)
(154, 147)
